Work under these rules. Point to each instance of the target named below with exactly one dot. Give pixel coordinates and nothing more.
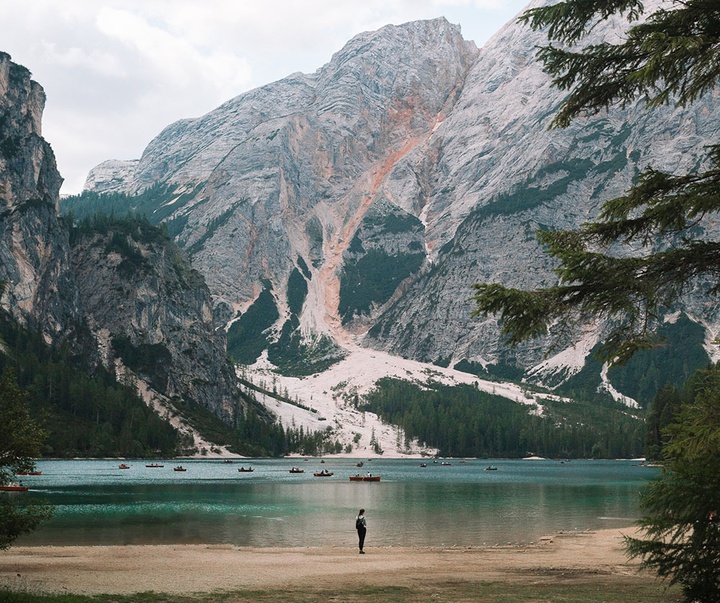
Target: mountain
(357, 205)
(112, 294)
(39, 289)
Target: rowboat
(14, 488)
(123, 466)
(323, 473)
(154, 465)
(179, 468)
(248, 470)
(364, 478)
(297, 470)
(29, 473)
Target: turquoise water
(462, 504)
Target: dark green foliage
(254, 434)
(528, 197)
(392, 223)
(84, 416)
(680, 529)
(671, 57)
(150, 361)
(463, 421)
(304, 267)
(671, 363)
(246, 337)
(274, 394)
(152, 203)
(131, 227)
(297, 356)
(126, 235)
(294, 354)
(21, 442)
(373, 279)
(10, 146)
(585, 384)
(296, 292)
(662, 411)
(502, 371)
(314, 231)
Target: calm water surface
(463, 504)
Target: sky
(116, 72)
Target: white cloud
(116, 72)
(98, 61)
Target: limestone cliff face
(367, 198)
(283, 177)
(150, 309)
(34, 251)
(501, 174)
(134, 290)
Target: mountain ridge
(391, 188)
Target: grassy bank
(560, 588)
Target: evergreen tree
(682, 510)
(19, 445)
(673, 56)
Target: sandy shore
(202, 568)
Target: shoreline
(89, 570)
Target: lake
(212, 502)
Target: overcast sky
(116, 72)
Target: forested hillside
(463, 421)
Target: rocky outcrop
(110, 176)
(113, 294)
(159, 322)
(39, 288)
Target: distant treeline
(464, 421)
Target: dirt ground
(203, 568)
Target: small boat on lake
(491, 468)
(13, 488)
(360, 464)
(244, 470)
(29, 473)
(154, 465)
(297, 470)
(123, 466)
(323, 473)
(179, 468)
(365, 478)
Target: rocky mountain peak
(358, 204)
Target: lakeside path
(596, 557)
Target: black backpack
(359, 524)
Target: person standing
(361, 527)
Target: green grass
(538, 589)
